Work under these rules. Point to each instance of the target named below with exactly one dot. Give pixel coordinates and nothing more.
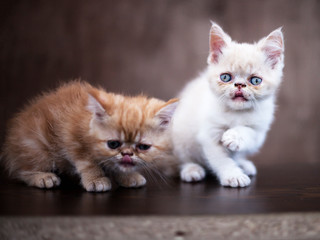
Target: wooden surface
(156, 47)
(276, 189)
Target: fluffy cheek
(219, 88)
(102, 151)
(159, 151)
(150, 155)
(226, 91)
(263, 91)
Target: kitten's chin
(126, 168)
(239, 104)
(127, 164)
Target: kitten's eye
(143, 147)
(225, 77)
(114, 144)
(255, 80)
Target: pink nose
(240, 85)
(126, 153)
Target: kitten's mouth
(238, 96)
(127, 161)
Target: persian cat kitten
(82, 128)
(225, 113)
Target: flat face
(241, 77)
(129, 134)
(276, 189)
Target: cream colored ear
(96, 108)
(218, 40)
(273, 47)
(165, 114)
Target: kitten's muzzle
(239, 96)
(127, 161)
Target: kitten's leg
(230, 175)
(247, 166)
(241, 138)
(192, 172)
(226, 169)
(40, 179)
(133, 179)
(92, 177)
(189, 171)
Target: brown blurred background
(155, 47)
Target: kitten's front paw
(44, 180)
(235, 178)
(247, 167)
(192, 172)
(232, 140)
(134, 180)
(101, 184)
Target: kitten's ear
(96, 108)
(273, 47)
(164, 115)
(218, 40)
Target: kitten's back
(37, 130)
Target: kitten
(86, 129)
(225, 113)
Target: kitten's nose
(240, 85)
(126, 152)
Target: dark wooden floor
(276, 189)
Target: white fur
(212, 130)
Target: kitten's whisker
(223, 97)
(148, 171)
(107, 161)
(154, 171)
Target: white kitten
(225, 113)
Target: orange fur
(69, 129)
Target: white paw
(45, 180)
(192, 172)
(132, 180)
(232, 140)
(98, 185)
(247, 167)
(235, 178)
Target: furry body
(218, 123)
(70, 129)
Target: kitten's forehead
(130, 136)
(242, 58)
(132, 116)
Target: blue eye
(255, 80)
(225, 77)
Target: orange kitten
(87, 129)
